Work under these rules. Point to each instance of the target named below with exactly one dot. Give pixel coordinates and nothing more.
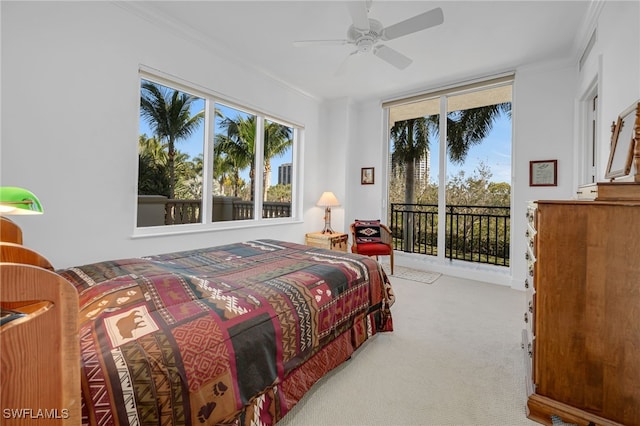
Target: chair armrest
(386, 235)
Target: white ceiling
(477, 38)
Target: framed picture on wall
(543, 173)
(367, 176)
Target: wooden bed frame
(39, 352)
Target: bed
(227, 335)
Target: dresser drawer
(587, 192)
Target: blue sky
(495, 152)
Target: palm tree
(238, 147)
(469, 127)
(411, 144)
(168, 113)
(277, 139)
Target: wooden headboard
(9, 231)
(40, 351)
(16, 253)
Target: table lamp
(18, 201)
(327, 200)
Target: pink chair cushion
(373, 249)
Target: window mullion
(296, 185)
(442, 179)
(207, 163)
(259, 170)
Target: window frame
(211, 98)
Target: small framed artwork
(543, 173)
(367, 176)
(622, 143)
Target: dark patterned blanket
(234, 334)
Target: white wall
(367, 127)
(544, 113)
(330, 158)
(70, 95)
(614, 62)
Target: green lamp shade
(15, 200)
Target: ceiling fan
(366, 33)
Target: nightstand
(335, 241)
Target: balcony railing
(159, 210)
(270, 209)
(473, 233)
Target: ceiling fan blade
(342, 69)
(302, 43)
(359, 15)
(417, 23)
(392, 56)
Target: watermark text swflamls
(35, 413)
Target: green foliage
(154, 175)
(281, 193)
(477, 189)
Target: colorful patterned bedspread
(211, 336)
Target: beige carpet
(453, 359)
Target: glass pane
(413, 179)
(478, 184)
(234, 164)
(278, 169)
(170, 156)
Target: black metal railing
(473, 233)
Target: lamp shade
(328, 200)
(15, 200)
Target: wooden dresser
(582, 338)
(335, 241)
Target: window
(202, 160)
(450, 172)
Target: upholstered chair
(372, 238)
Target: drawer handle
(530, 307)
(526, 283)
(526, 317)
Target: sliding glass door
(450, 179)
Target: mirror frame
(623, 141)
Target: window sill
(197, 228)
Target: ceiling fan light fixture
(365, 44)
